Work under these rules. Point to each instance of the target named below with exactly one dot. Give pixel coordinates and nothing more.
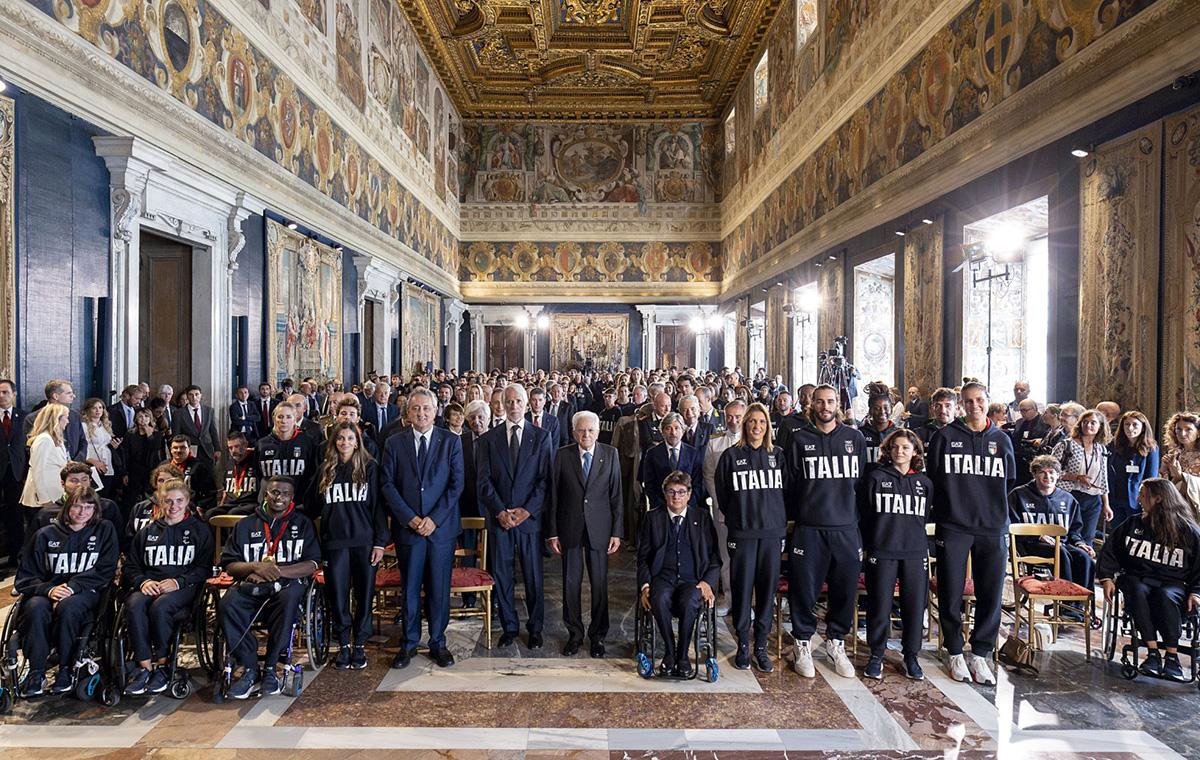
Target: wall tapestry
(923, 304)
(191, 51)
(8, 244)
(967, 69)
(420, 329)
(601, 340)
(304, 312)
(831, 320)
(610, 261)
(1181, 265)
(1118, 279)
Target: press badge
(1132, 469)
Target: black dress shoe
(597, 649)
(572, 648)
(535, 641)
(403, 657)
(684, 669)
(506, 640)
(442, 657)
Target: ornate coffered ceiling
(556, 59)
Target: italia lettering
(899, 504)
(973, 464)
(1041, 518)
(273, 467)
(340, 492)
(747, 480)
(1155, 552)
(169, 556)
(287, 552)
(821, 468)
(72, 562)
(872, 454)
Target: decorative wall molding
(51, 61)
(8, 241)
(679, 222)
(1180, 336)
(455, 315)
(589, 292)
(152, 190)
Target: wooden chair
(1032, 593)
(932, 603)
(389, 588)
(474, 580)
(222, 526)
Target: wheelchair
(94, 679)
(704, 644)
(1117, 623)
(311, 632)
(190, 621)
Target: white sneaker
(803, 663)
(958, 668)
(835, 650)
(981, 671)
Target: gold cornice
(597, 292)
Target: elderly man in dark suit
(421, 481)
(670, 455)
(678, 565)
(696, 429)
(585, 526)
(14, 461)
(198, 422)
(513, 470)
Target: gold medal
(269, 559)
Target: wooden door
(368, 336)
(503, 347)
(165, 313)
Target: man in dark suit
(477, 423)
(670, 455)
(14, 462)
(561, 408)
(513, 462)
(585, 524)
(421, 480)
(61, 392)
(696, 429)
(379, 412)
(198, 423)
(678, 565)
(243, 414)
(265, 406)
(120, 414)
(538, 415)
(916, 409)
(650, 427)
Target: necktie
(196, 417)
(691, 436)
(587, 464)
(7, 424)
(128, 416)
(678, 520)
(537, 420)
(422, 450)
(266, 410)
(379, 414)
(674, 459)
(514, 444)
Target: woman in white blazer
(47, 455)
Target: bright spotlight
(1006, 241)
(522, 321)
(543, 321)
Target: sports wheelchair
(704, 644)
(191, 620)
(1117, 623)
(93, 678)
(311, 632)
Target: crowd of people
(721, 483)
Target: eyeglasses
(677, 491)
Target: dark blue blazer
(433, 492)
(500, 488)
(704, 431)
(553, 426)
(656, 466)
(13, 454)
(370, 414)
(248, 424)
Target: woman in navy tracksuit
(892, 503)
(750, 488)
(1133, 457)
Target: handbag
(1019, 656)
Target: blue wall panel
(62, 222)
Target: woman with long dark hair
(141, 451)
(1154, 558)
(1132, 458)
(353, 535)
(1084, 457)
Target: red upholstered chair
(1033, 593)
(932, 600)
(389, 588)
(474, 580)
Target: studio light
(809, 301)
(1006, 241)
(696, 324)
(543, 321)
(522, 321)
(900, 233)
(715, 321)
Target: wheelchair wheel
(207, 631)
(118, 649)
(181, 688)
(6, 700)
(645, 665)
(711, 671)
(88, 685)
(316, 627)
(1128, 672)
(110, 695)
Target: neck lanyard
(272, 545)
(1087, 461)
(237, 479)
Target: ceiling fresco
(564, 59)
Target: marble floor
(517, 703)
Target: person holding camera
(269, 553)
